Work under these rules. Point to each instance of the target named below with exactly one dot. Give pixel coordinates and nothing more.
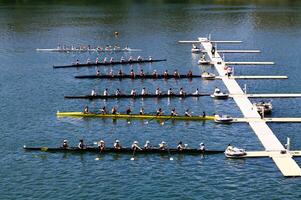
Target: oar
(151, 118)
(162, 123)
(133, 156)
(170, 158)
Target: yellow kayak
(134, 116)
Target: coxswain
(176, 74)
(81, 144)
(187, 114)
(97, 73)
(117, 144)
(139, 58)
(202, 146)
(135, 146)
(169, 92)
(111, 73)
(122, 59)
(155, 74)
(103, 110)
(130, 58)
(128, 111)
(117, 93)
(120, 73)
(77, 62)
(229, 147)
(196, 92)
(213, 51)
(96, 61)
(162, 145)
(132, 73)
(217, 90)
(204, 114)
(165, 74)
(173, 112)
(158, 92)
(159, 112)
(147, 145)
(65, 144)
(182, 92)
(101, 145)
(150, 58)
(93, 93)
(86, 110)
(106, 92)
(88, 61)
(111, 60)
(114, 110)
(133, 92)
(189, 74)
(141, 112)
(142, 73)
(143, 91)
(180, 146)
(105, 60)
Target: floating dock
(235, 51)
(272, 145)
(262, 154)
(267, 95)
(249, 63)
(271, 120)
(254, 77)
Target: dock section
(249, 63)
(270, 120)
(254, 77)
(267, 95)
(235, 51)
(284, 162)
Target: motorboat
(266, 107)
(234, 152)
(224, 119)
(217, 94)
(208, 76)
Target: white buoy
(132, 158)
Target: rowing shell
(127, 76)
(124, 150)
(108, 63)
(134, 96)
(88, 50)
(134, 116)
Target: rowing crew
(135, 145)
(159, 111)
(111, 60)
(144, 92)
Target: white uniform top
(133, 92)
(181, 92)
(169, 92)
(157, 92)
(143, 91)
(117, 92)
(196, 92)
(217, 90)
(93, 93)
(105, 59)
(105, 93)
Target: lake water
(32, 92)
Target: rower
(93, 93)
(165, 74)
(88, 61)
(101, 145)
(141, 112)
(143, 91)
(133, 92)
(122, 59)
(86, 110)
(103, 110)
(139, 58)
(150, 58)
(202, 146)
(189, 74)
(135, 146)
(169, 92)
(114, 110)
(111, 60)
(229, 147)
(117, 145)
(77, 62)
(96, 61)
(130, 58)
(111, 73)
(155, 74)
(180, 146)
(158, 92)
(81, 144)
(120, 73)
(203, 56)
(217, 90)
(162, 145)
(187, 114)
(196, 92)
(65, 144)
(128, 111)
(117, 92)
(204, 114)
(97, 73)
(142, 73)
(159, 112)
(176, 74)
(173, 112)
(147, 145)
(182, 92)
(132, 73)
(105, 60)
(106, 92)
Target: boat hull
(126, 76)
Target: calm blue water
(32, 92)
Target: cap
(163, 142)
(135, 142)
(65, 141)
(201, 143)
(101, 141)
(116, 141)
(147, 142)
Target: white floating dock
(235, 51)
(298, 95)
(284, 162)
(275, 120)
(254, 77)
(249, 63)
(260, 154)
